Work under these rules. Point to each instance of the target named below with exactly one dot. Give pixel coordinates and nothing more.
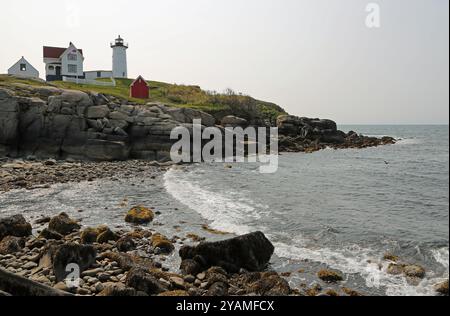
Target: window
(99, 74)
(72, 69)
(51, 68)
(72, 57)
(23, 67)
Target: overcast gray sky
(313, 57)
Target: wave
(233, 213)
(226, 213)
(408, 141)
(366, 263)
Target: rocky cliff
(48, 122)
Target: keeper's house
(63, 62)
(23, 68)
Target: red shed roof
(137, 80)
(55, 52)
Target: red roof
(142, 80)
(55, 52)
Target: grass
(183, 96)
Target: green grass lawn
(183, 96)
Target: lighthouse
(119, 58)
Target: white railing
(90, 81)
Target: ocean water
(343, 209)
(340, 209)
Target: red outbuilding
(139, 89)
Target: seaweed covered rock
(11, 244)
(15, 225)
(139, 215)
(251, 252)
(107, 235)
(101, 234)
(50, 234)
(442, 288)
(190, 267)
(271, 284)
(89, 235)
(125, 244)
(414, 271)
(162, 244)
(63, 224)
(329, 276)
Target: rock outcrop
(251, 252)
(301, 134)
(61, 124)
(47, 122)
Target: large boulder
(63, 224)
(15, 225)
(251, 252)
(76, 97)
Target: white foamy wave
(361, 261)
(442, 257)
(408, 141)
(226, 212)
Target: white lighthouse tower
(119, 58)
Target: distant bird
(386, 162)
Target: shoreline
(51, 170)
(317, 287)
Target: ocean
(339, 209)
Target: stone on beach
(15, 225)
(162, 243)
(139, 215)
(63, 224)
(442, 288)
(11, 244)
(251, 252)
(140, 280)
(329, 276)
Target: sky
(315, 58)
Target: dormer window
(72, 57)
(23, 67)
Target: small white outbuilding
(23, 69)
